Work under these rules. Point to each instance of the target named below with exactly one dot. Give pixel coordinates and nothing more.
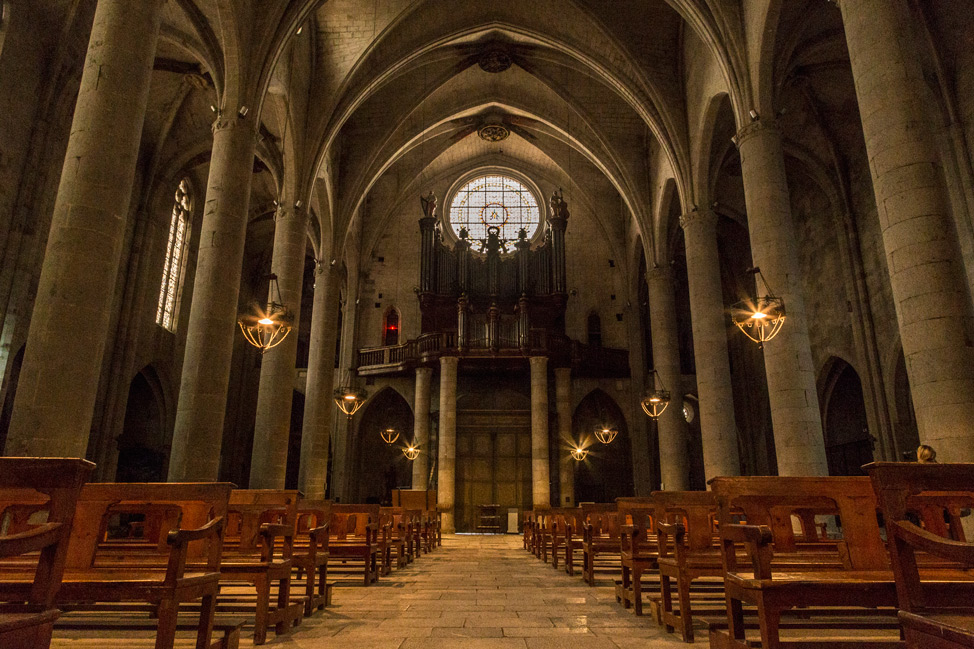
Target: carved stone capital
(233, 122)
(659, 274)
(757, 127)
(698, 218)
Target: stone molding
(758, 126)
(698, 218)
(660, 273)
(223, 123)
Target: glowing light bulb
(759, 316)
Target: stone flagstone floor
(478, 592)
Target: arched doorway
(848, 444)
(606, 473)
(143, 453)
(379, 467)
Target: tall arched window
(172, 270)
(390, 330)
(594, 329)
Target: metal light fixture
(761, 318)
(606, 434)
(268, 327)
(579, 453)
(389, 435)
(411, 452)
(350, 399)
(656, 400)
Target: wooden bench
(566, 520)
(688, 550)
(353, 541)
(27, 620)
(527, 534)
(638, 551)
(424, 500)
(164, 574)
(401, 538)
(822, 578)
(260, 521)
(575, 532)
(311, 552)
(600, 543)
(934, 496)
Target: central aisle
(478, 592)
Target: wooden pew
(425, 501)
(849, 576)
(311, 552)
(260, 521)
(566, 520)
(164, 575)
(638, 551)
(600, 543)
(933, 496)
(400, 522)
(28, 621)
(544, 520)
(354, 541)
(688, 550)
(575, 532)
(527, 527)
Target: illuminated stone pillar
(421, 427)
(272, 427)
(717, 426)
(563, 407)
(447, 457)
(198, 433)
(925, 269)
(320, 411)
(540, 478)
(795, 415)
(673, 460)
(55, 401)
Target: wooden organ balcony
(494, 308)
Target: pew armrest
(920, 539)
(179, 541)
(270, 531)
(32, 540)
(665, 531)
(756, 540)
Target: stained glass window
(494, 200)
(173, 267)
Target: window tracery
(175, 249)
(494, 200)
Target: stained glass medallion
(494, 201)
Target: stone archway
(143, 449)
(606, 473)
(379, 467)
(848, 444)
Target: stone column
(540, 480)
(717, 426)
(421, 427)
(563, 407)
(198, 432)
(320, 411)
(446, 473)
(272, 427)
(926, 273)
(55, 402)
(795, 414)
(673, 460)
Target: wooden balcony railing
(589, 359)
